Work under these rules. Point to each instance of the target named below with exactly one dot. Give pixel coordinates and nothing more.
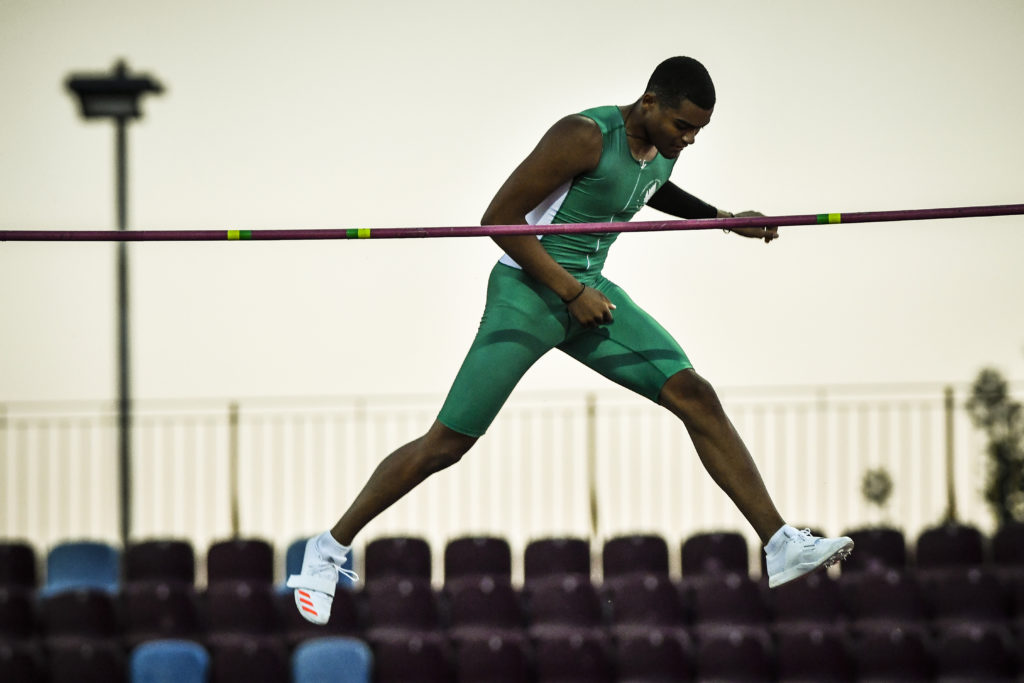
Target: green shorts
(523, 320)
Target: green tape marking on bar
(357, 234)
(830, 218)
(239, 234)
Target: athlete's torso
(613, 192)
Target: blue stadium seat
(332, 659)
(169, 661)
(82, 564)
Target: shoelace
(348, 574)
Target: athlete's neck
(640, 144)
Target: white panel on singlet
(543, 214)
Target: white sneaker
(796, 553)
(315, 586)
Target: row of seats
(896, 653)
(183, 661)
(98, 565)
(155, 610)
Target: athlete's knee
(442, 447)
(690, 396)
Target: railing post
(950, 413)
(591, 445)
(233, 467)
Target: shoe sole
(806, 569)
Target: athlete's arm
(676, 201)
(570, 147)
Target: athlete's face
(674, 129)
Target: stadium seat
(880, 600)
(1008, 547)
(967, 596)
(482, 605)
(562, 604)
(82, 564)
(475, 555)
(893, 652)
(159, 611)
(813, 655)
(722, 552)
(400, 605)
(17, 613)
(321, 659)
(18, 565)
(974, 653)
(815, 600)
(574, 656)
(735, 654)
(85, 660)
(397, 556)
(876, 549)
(728, 602)
(639, 553)
(160, 561)
(949, 546)
(655, 655)
(82, 613)
(240, 608)
(640, 602)
(258, 659)
(240, 559)
(22, 662)
(169, 661)
(500, 657)
(547, 557)
(424, 657)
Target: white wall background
(344, 114)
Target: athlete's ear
(648, 100)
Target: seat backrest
(877, 549)
(17, 565)
(714, 553)
(555, 556)
(637, 553)
(160, 560)
(169, 661)
(949, 545)
(645, 600)
(474, 555)
(397, 556)
(82, 564)
(321, 659)
(240, 559)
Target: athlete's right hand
(592, 308)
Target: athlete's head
(682, 78)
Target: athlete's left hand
(767, 233)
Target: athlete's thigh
(522, 321)
(634, 350)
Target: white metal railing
(287, 468)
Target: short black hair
(682, 78)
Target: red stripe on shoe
(311, 611)
(304, 594)
(305, 602)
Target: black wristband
(569, 301)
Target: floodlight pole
(116, 97)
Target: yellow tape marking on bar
(233, 234)
(835, 218)
(363, 233)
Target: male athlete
(600, 165)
